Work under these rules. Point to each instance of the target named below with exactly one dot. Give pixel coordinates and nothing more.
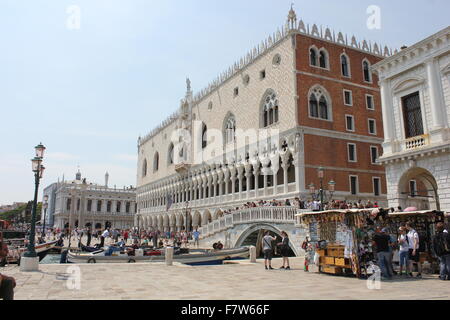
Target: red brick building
(339, 109)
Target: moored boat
(195, 256)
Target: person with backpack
(284, 250)
(414, 255)
(267, 249)
(441, 247)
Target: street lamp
(321, 191)
(45, 206)
(30, 261)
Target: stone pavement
(234, 281)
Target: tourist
(125, 236)
(196, 235)
(404, 250)
(441, 247)
(104, 235)
(414, 255)
(219, 245)
(284, 250)
(7, 284)
(382, 242)
(267, 249)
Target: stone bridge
(243, 227)
(246, 227)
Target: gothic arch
(269, 109)
(318, 92)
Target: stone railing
(250, 215)
(416, 142)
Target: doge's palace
(303, 99)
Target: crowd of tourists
(410, 245)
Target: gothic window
(144, 168)
(170, 154)
(156, 162)
(313, 57)
(270, 109)
(412, 115)
(319, 104)
(108, 206)
(323, 59)
(118, 206)
(68, 204)
(99, 205)
(345, 68)
(89, 205)
(204, 136)
(366, 71)
(230, 129)
(313, 106)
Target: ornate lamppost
(29, 260)
(321, 192)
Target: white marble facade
(97, 205)
(417, 147)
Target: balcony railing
(416, 142)
(258, 214)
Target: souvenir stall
(343, 238)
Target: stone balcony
(416, 142)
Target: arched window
(345, 68)
(323, 108)
(170, 154)
(366, 71)
(230, 129)
(144, 168)
(270, 109)
(313, 57)
(319, 104)
(204, 136)
(313, 106)
(323, 59)
(156, 162)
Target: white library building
(415, 92)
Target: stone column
(436, 98)
(285, 166)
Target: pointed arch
(345, 65)
(144, 168)
(156, 162)
(367, 74)
(229, 128)
(170, 154)
(319, 102)
(313, 56)
(269, 109)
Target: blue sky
(88, 94)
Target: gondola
(194, 257)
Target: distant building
(80, 203)
(9, 207)
(415, 93)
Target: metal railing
(258, 214)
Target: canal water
(51, 259)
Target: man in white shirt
(104, 235)
(414, 255)
(267, 249)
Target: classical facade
(415, 90)
(304, 98)
(80, 203)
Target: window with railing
(412, 115)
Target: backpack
(441, 244)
